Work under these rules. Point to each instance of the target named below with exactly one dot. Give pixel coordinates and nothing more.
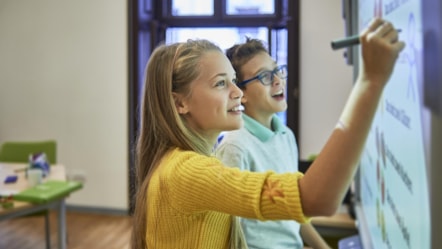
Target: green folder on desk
(48, 191)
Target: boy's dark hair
(239, 54)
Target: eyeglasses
(266, 77)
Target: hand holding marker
(347, 41)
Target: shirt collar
(260, 131)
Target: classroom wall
(64, 76)
(325, 78)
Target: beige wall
(64, 76)
(326, 79)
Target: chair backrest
(19, 151)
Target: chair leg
(48, 231)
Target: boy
(264, 143)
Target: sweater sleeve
(195, 183)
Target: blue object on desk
(39, 161)
(10, 179)
(353, 242)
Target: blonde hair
(171, 69)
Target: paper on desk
(5, 171)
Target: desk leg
(62, 224)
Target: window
(232, 7)
(250, 7)
(224, 37)
(192, 8)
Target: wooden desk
(57, 172)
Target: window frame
(147, 22)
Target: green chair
(19, 151)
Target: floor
(84, 230)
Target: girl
(187, 198)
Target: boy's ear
(180, 104)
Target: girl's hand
(380, 49)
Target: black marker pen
(347, 42)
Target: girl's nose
(236, 92)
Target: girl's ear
(180, 104)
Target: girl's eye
(235, 81)
(220, 83)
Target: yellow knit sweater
(191, 198)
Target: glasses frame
(260, 76)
